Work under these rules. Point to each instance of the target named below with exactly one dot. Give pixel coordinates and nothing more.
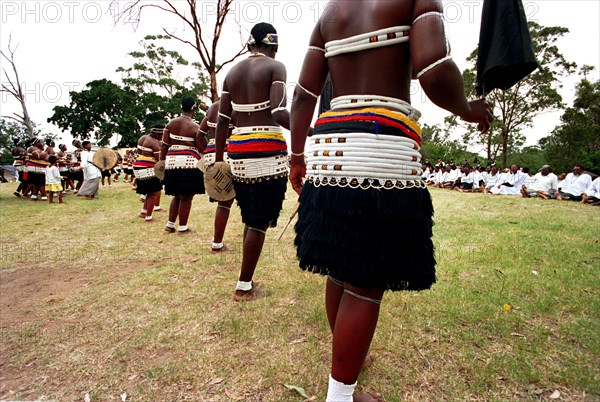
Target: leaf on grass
(555, 395)
(86, 398)
(299, 390)
(216, 381)
(132, 377)
(123, 396)
(536, 273)
(295, 341)
(517, 334)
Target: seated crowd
(575, 186)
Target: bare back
(250, 82)
(184, 126)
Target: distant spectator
(542, 185)
(574, 185)
(511, 183)
(492, 179)
(592, 194)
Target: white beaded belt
(255, 168)
(144, 173)
(35, 169)
(180, 162)
(209, 159)
(382, 160)
(20, 168)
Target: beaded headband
(269, 39)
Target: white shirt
(577, 184)
(492, 180)
(540, 182)
(52, 175)
(89, 170)
(593, 189)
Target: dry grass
(94, 301)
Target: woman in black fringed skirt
(365, 216)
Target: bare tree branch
(16, 89)
(188, 13)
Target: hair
(188, 103)
(48, 141)
(75, 141)
(60, 146)
(260, 31)
(525, 169)
(580, 167)
(52, 159)
(84, 143)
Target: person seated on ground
(426, 172)
(561, 181)
(492, 179)
(466, 180)
(574, 185)
(478, 177)
(435, 176)
(541, 185)
(511, 184)
(448, 177)
(591, 195)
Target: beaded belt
(363, 160)
(182, 157)
(256, 169)
(144, 173)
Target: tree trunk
(504, 147)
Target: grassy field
(95, 304)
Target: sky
(62, 45)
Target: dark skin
(252, 81)
(38, 153)
(77, 156)
(223, 207)
(184, 126)
(353, 320)
(150, 141)
(20, 153)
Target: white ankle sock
(339, 392)
(245, 286)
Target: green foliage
(515, 108)
(533, 157)
(577, 139)
(151, 94)
(8, 131)
(438, 145)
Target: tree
(577, 139)
(10, 130)
(516, 107)
(438, 145)
(187, 12)
(15, 89)
(102, 109)
(158, 70)
(151, 95)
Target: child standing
(53, 180)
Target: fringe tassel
(369, 238)
(260, 202)
(184, 181)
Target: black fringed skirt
(183, 181)
(260, 202)
(371, 238)
(148, 186)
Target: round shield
(218, 181)
(159, 170)
(105, 159)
